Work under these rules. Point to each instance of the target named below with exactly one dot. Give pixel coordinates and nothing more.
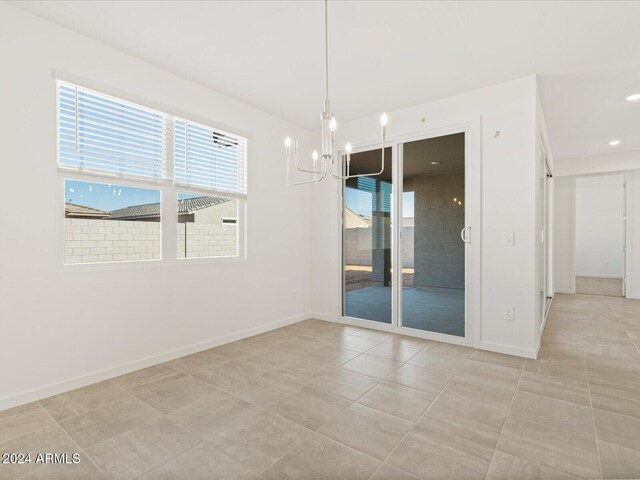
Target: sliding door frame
(473, 199)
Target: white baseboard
(599, 275)
(322, 316)
(565, 290)
(99, 376)
(518, 352)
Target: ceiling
(389, 54)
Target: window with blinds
(209, 158)
(121, 159)
(102, 134)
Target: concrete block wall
(358, 243)
(207, 240)
(94, 241)
(91, 241)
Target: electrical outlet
(508, 239)
(509, 313)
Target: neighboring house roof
(73, 210)
(353, 220)
(150, 210)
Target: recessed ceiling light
(634, 97)
(436, 163)
(613, 143)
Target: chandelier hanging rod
(327, 157)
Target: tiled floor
(611, 287)
(318, 400)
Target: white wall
(508, 204)
(564, 229)
(615, 162)
(599, 234)
(62, 328)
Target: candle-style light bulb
(384, 119)
(314, 155)
(333, 124)
(287, 142)
(348, 148)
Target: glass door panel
(433, 235)
(367, 224)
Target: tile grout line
(593, 418)
(384, 462)
(504, 422)
(72, 440)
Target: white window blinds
(209, 158)
(102, 134)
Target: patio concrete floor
(433, 309)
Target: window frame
(167, 186)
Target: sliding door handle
(465, 234)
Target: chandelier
(324, 164)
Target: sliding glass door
(433, 235)
(367, 233)
(405, 237)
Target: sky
(360, 202)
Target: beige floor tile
(148, 378)
(432, 455)
(260, 440)
(387, 472)
(103, 455)
(300, 371)
(372, 366)
(557, 371)
(332, 355)
(308, 407)
(497, 359)
(367, 430)
(474, 404)
(398, 400)
(615, 400)
(540, 385)
(204, 462)
(88, 429)
(550, 447)
(197, 362)
(376, 335)
(506, 467)
(250, 388)
(51, 438)
(427, 380)
(619, 462)
(213, 414)
(299, 345)
(82, 400)
(450, 349)
(411, 342)
(83, 470)
(357, 344)
(437, 361)
(145, 447)
(394, 351)
(568, 416)
(603, 333)
(623, 350)
(178, 394)
(24, 419)
(319, 458)
(344, 383)
(619, 429)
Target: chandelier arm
(305, 182)
(372, 174)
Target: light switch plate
(508, 239)
(509, 313)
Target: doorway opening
(600, 233)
